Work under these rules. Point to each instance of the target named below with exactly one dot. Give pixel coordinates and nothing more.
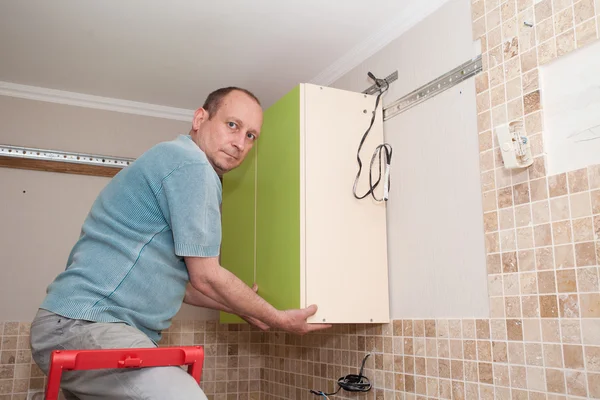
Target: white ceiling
(174, 52)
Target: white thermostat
(514, 145)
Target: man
(151, 241)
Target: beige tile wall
(542, 340)
(495, 358)
(233, 360)
(459, 359)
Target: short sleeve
(191, 199)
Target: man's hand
(295, 321)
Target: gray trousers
(53, 332)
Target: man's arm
(208, 277)
(196, 298)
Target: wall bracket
(389, 79)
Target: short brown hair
(213, 101)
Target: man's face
(227, 137)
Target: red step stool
(71, 360)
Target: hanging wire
(383, 151)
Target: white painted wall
(435, 217)
(571, 103)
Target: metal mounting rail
(63, 156)
(433, 88)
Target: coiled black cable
(350, 383)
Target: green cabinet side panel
(238, 210)
(278, 204)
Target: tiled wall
(542, 232)
(459, 359)
(542, 340)
(521, 358)
(233, 361)
(232, 365)
(18, 374)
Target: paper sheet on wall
(570, 88)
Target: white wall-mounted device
(514, 145)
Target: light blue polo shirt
(127, 265)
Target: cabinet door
(238, 222)
(346, 245)
(278, 204)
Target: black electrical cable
(350, 383)
(381, 150)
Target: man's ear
(200, 116)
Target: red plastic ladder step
(72, 360)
